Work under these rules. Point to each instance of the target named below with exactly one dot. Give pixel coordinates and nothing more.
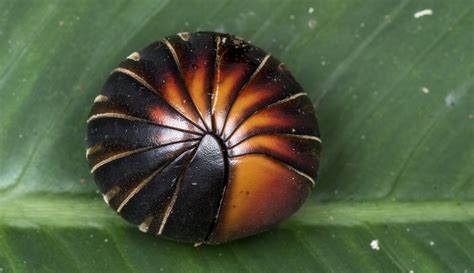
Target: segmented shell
(203, 137)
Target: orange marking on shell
(264, 119)
(164, 117)
(225, 89)
(199, 88)
(293, 114)
(248, 98)
(260, 194)
(174, 94)
(284, 147)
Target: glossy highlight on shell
(203, 138)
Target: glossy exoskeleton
(204, 138)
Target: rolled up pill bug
(203, 138)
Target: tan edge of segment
(173, 52)
(134, 56)
(240, 38)
(138, 188)
(135, 77)
(306, 137)
(219, 209)
(132, 118)
(115, 115)
(254, 74)
(118, 156)
(292, 97)
(300, 173)
(260, 66)
(178, 64)
(169, 208)
(184, 36)
(303, 137)
(93, 149)
(145, 225)
(287, 99)
(110, 194)
(216, 77)
(101, 98)
(147, 85)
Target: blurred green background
(395, 99)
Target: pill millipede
(203, 138)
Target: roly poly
(203, 138)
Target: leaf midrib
(59, 210)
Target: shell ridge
(133, 152)
(183, 82)
(132, 118)
(158, 192)
(221, 204)
(142, 184)
(142, 81)
(292, 97)
(170, 205)
(216, 79)
(212, 101)
(139, 187)
(126, 95)
(315, 138)
(93, 149)
(252, 77)
(101, 98)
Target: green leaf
(395, 100)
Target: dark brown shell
(203, 137)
